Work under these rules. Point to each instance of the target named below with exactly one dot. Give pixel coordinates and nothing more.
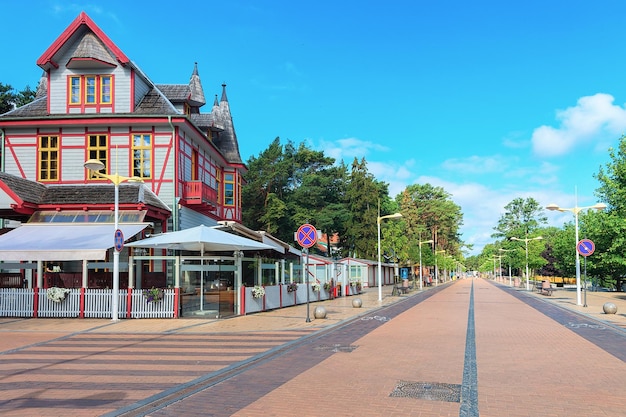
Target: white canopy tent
(62, 241)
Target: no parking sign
(306, 235)
(585, 247)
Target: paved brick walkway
(405, 356)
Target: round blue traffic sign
(585, 247)
(306, 235)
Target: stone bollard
(609, 308)
(319, 312)
(357, 303)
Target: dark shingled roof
(129, 193)
(27, 190)
(37, 193)
(205, 121)
(155, 103)
(176, 93)
(91, 47)
(36, 108)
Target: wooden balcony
(200, 196)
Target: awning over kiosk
(62, 241)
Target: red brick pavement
(527, 363)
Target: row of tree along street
(554, 255)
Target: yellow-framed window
(105, 89)
(75, 89)
(90, 89)
(229, 190)
(142, 155)
(48, 158)
(98, 148)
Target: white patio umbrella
(202, 239)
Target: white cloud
(476, 164)
(347, 149)
(591, 118)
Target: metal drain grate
(336, 348)
(435, 391)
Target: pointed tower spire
(224, 98)
(227, 140)
(197, 93)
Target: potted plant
(258, 291)
(56, 294)
(292, 287)
(316, 286)
(153, 295)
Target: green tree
(522, 219)
(7, 98)
(264, 195)
(10, 99)
(609, 259)
(431, 214)
(287, 186)
(364, 196)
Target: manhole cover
(428, 391)
(336, 348)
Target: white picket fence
(18, 302)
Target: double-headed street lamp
(509, 258)
(95, 166)
(526, 240)
(576, 210)
(380, 278)
(420, 245)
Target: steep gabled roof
(47, 59)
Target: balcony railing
(197, 193)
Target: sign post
(585, 248)
(307, 237)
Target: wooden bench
(545, 288)
(399, 289)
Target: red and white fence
(86, 303)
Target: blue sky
(490, 100)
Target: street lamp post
(380, 278)
(95, 166)
(420, 245)
(526, 240)
(436, 267)
(509, 259)
(576, 210)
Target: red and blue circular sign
(306, 235)
(118, 240)
(585, 247)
